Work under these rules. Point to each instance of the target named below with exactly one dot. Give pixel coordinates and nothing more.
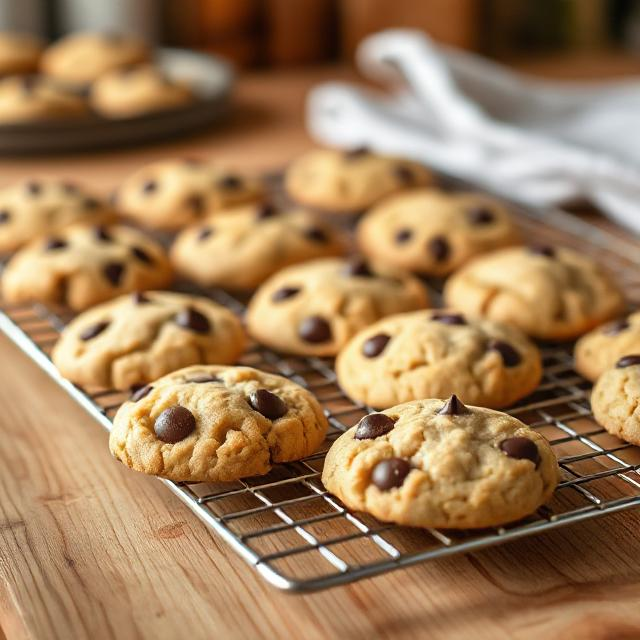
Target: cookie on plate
(83, 265)
(32, 208)
(19, 53)
(173, 193)
(80, 58)
(350, 181)
(601, 348)
(615, 399)
(239, 248)
(132, 91)
(434, 354)
(439, 463)
(136, 338)
(314, 308)
(216, 424)
(26, 99)
(549, 293)
(432, 232)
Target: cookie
(137, 90)
(32, 208)
(173, 193)
(350, 181)
(80, 58)
(433, 354)
(130, 341)
(216, 424)
(19, 53)
(83, 265)
(435, 463)
(27, 99)
(316, 307)
(549, 293)
(601, 348)
(431, 232)
(615, 399)
(240, 248)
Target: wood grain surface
(90, 550)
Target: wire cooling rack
(300, 538)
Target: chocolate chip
(91, 204)
(314, 329)
(204, 233)
(113, 272)
(357, 267)
(543, 250)
(149, 186)
(230, 182)
(390, 473)
(33, 188)
(55, 243)
(521, 449)
(403, 173)
(142, 255)
(373, 426)
(509, 355)
(449, 318)
(5, 216)
(69, 188)
(403, 235)
(356, 152)
(284, 293)
(268, 404)
(480, 215)
(193, 320)
(453, 407)
(29, 83)
(203, 379)
(375, 345)
(616, 327)
(139, 298)
(628, 361)
(102, 234)
(94, 330)
(196, 204)
(140, 393)
(174, 424)
(265, 211)
(315, 234)
(439, 248)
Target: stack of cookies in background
(350, 262)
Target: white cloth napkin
(536, 141)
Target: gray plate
(210, 77)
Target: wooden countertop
(89, 549)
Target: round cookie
(615, 399)
(130, 341)
(600, 349)
(314, 308)
(138, 90)
(432, 232)
(549, 293)
(83, 265)
(80, 58)
(173, 193)
(435, 463)
(216, 424)
(350, 181)
(434, 354)
(19, 53)
(240, 248)
(26, 99)
(32, 208)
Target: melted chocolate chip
(543, 250)
(284, 293)
(315, 234)
(356, 152)
(204, 379)
(91, 204)
(521, 449)
(196, 204)
(141, 255)
(390, 473)
(375, 345)
(404, 174)
(357, 267)
(174, 424)
(113, 272)
(140, 393)
(628, 361)
(139, 298)
(315, 329)
(33, 188)
(453, 407)
(449, 318)
(268, 404)
(439, 248)
(265, 211)
(204, 233)
(69, 188)
(616, 327)
(403, 235)
(102, 234)
(480, 215)
(373, 426)
(193, 320)
(93, 330)
(509, 355)
(55, 243)
(149, 186)
(5, 216)
(230, 181)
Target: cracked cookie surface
(139, 337)
(216, 424)
(435, 463)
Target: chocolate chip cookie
(551, 293)
(173, 193)
(83, 265)
(439, 463)
(216, 424)
(19, 53)
(316, 307)
(241, 247)
(36, 207)
(350, 181)
(433, 354)
(139, 337)
(615, 399)
(432, 232)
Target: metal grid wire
(299, 537)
